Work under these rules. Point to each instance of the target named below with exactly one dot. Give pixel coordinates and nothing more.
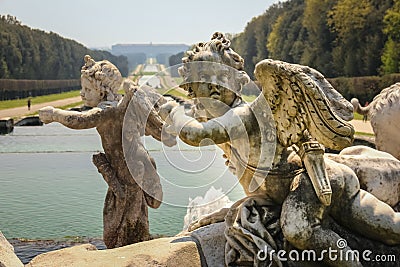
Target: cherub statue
(131, 189)
(278, 156)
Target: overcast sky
(104, 23)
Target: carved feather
(301, 99)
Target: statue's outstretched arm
(72, 119)
(194, 132)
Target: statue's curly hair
(218, 46)
(216, 50)
(385, 99)
(104, 76)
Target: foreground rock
(202, 247)
(174, 251)
(7, 256)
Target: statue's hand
(166, 109)
(214, 217)
(46, 114)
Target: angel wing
(301, 99)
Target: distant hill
(337, 37)
(27, 53)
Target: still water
(49, 188)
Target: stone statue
(295, 192)
(125, 215)
(384, 113)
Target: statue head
(100, 82)
(213, 70)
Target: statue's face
(214, 86)
(91, 95)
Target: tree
(318, 45)
(245, 45)
(251, 44)
(336, 37)
(391, 52)
(286, 40)
(27, 53)
(348, 19)
(175, 60)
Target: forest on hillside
(27, 53)
(350, 38)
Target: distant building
(138, 53)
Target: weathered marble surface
(211, 240)
(378, 172)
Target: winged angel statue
(298, 196)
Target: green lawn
(358, 116)
(37, 100)
(73, 105)
(365, 134)
(177, 93)
(48, 98)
